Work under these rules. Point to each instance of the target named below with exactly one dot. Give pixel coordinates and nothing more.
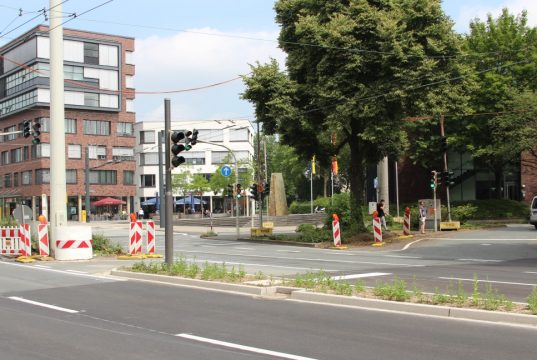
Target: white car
(533, 212)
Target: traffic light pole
(168, 203)
(442, 133)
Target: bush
(463, 213)
(102, 246)
(304, 207)
(8, 221)
(309, 233)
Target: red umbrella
(108, 201)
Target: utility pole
(168, 225)
(87, 184)
(443, 134)
(259, 193)
(162, 198)
(58, 188)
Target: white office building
(203, 158)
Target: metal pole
(397, 188)
(87, 185)
(162, 201)
(259, 194)
(442, 133)
(58, 187)
(434, 208)
(236, 199)
(311, 188)
(168, 229)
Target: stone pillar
(277, 199)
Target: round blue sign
(225, 171)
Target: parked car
(533, 212)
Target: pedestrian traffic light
(230, 190)
(26, 128)
(177, 148)
(443, 144)
(194, 139)
(434, 179)
(188, 140)
(36, 132)
(239, 191)
(253, 192)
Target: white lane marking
(288, 251)
(404, 256)
(42, 266)
(488, 281)
(302, 259)
(243, 347)
(530, 272)
(243, 248)
(251, 264)
(481, 239)
(34, 267)
(76, 271)
(480, 260)
(225, 244)
(53, 307)
(359, 276)
(485, 244)
(409, 244)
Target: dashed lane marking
(359, 276)
(488, 281)
(36, 303)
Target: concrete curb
(321, 298)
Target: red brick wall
(529, 176)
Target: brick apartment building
(99, 116)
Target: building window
(148, 159)
(16, 155)
(5, 158)
(91, 53)
(129, 57)
(10, 136)
(129, 105)
(7, 180)
(42, 176)
(239, 135)
(214, 135)
(194, 157)
(129, 81)
(124, 129)
(70, 126)
(15, 179)
(74, 151)
(128, 177)
(147, 137)
(91, 99)
(97, 152)
(40, 151)
(219, 157)
(122, 153)
(26, 178)
(95, 127)
(73, 72)
(18, 102)
(147, 180)
(103, 177)
(70, 176)
(26, 153)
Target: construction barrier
(335, 230)
(25, 239)
(406, 222)
(377, 230)
(42, 235)
(150, 226)
(73, 243)
(10, 241)
(135, 237)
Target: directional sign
(225, 171)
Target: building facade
(99, 119)
(215, 138)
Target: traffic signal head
(176, 148)
(230, 190)
(36, 132)
(239, 191)
(26, 125)
(434, 179)
(194, 140)
(266, 189)
(188, 140)
(446, 178)
(253, 191)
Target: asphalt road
(504, 258)
(64, 315)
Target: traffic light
(36, 132)
(253, 192)
(446, 177)
(26, 128)
(176, 148)
(434, 179)
(194, 139)
(230, 190)
(239, 191)
(443, 144)
(188, 140)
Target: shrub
(102, 245)
(314, 235)
(8, 221)
(464, 212)
(532, 301)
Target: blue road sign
(225, 171)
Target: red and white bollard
(150, 236)
(25, 240)
(335, 230)
(406, 222)
(42, 235)
(377, 229)
(135, 238)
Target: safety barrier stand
(42, 234)
(336, 233)
(150, 226)
(377, 230)
(406, 222)
(135, 238)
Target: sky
(187, 44)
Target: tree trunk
(357, 181)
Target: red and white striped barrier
(150, 225)
(135, 237)
(25, 240)
(10, 243)
(335, 230)
(377, 230)
(42, 235)
(73, 243)
(406, 222)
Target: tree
(356, 68)
(504, 95)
